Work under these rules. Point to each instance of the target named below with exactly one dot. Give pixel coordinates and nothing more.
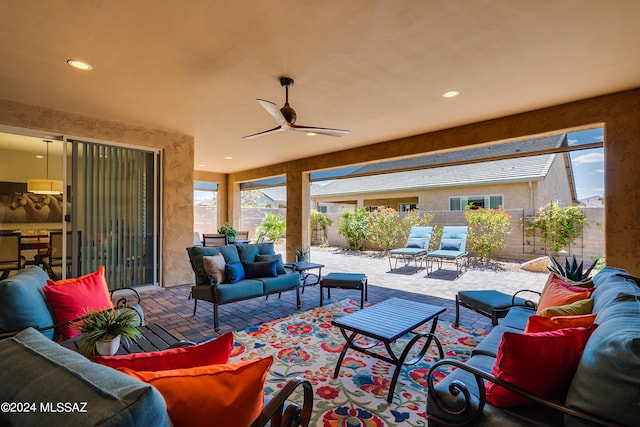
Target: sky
(588, 165)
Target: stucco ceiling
(377, 68)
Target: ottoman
(344, 281)
(490, 303)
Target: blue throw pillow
(254, 270)
(234, 272)
(415, 243)
(450, 245)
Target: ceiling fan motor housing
(289, 113)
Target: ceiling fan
(286, 117)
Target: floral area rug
(307, 345)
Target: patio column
(298, 203)
(234, 205)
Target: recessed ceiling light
(201, 166)
(451, 94)
(80, 65)
(311, 134)
(39, 157)
(228, 157)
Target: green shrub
(488, 230)
(273, 226)
(417, 219)
(558, 227)
(384, 225)
(319, 221)
(354, 226)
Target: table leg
(400, 362)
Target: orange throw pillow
(212, 352)
(71, 298)
(544, 324)
(230, 395)
(559, 292)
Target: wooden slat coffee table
(154, 338)
(386, 322)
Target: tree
(488, 230)
(319, 221)
(558, 227)
(273, 226)
(383, 228)
(250, 198)
(354, 226)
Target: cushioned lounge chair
(453, 248)
(416, 248)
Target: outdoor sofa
(604, 390)
(45, 383)
(238, 272)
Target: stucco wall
(177, 182)
(555, 187)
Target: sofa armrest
(278, 415)
(472, 412)
(527, 303)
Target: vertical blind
(116, 201)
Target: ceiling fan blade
(273, 111)
(320, 131)
(266, 132)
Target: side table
(302, 267)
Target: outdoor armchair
(453, 248)
(416, 248)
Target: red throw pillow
(542, 363)
(71, 298)
(213, 352)
(230, 395)
(544, 324)
(559, 292)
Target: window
(461, 203)
(407, 207)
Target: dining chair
(214, 240)
(10, 256)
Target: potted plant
(227, 229)
(101, 331)
(302, 254)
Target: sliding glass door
(102, 207)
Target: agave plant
(571, 270)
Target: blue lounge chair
(416, 249)
(453, 248)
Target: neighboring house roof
(492, 172)
(279, 194)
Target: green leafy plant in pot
(228, 230)
(302, 254)
(101, 331)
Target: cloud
(589, 158)
(599, 171)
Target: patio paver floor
(170, 308)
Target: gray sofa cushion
(517, 318)
(606, 382)
(35, 369)
(22, 304)
(489, 345)
(283, 282)
(244, 289)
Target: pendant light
(45, 186)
